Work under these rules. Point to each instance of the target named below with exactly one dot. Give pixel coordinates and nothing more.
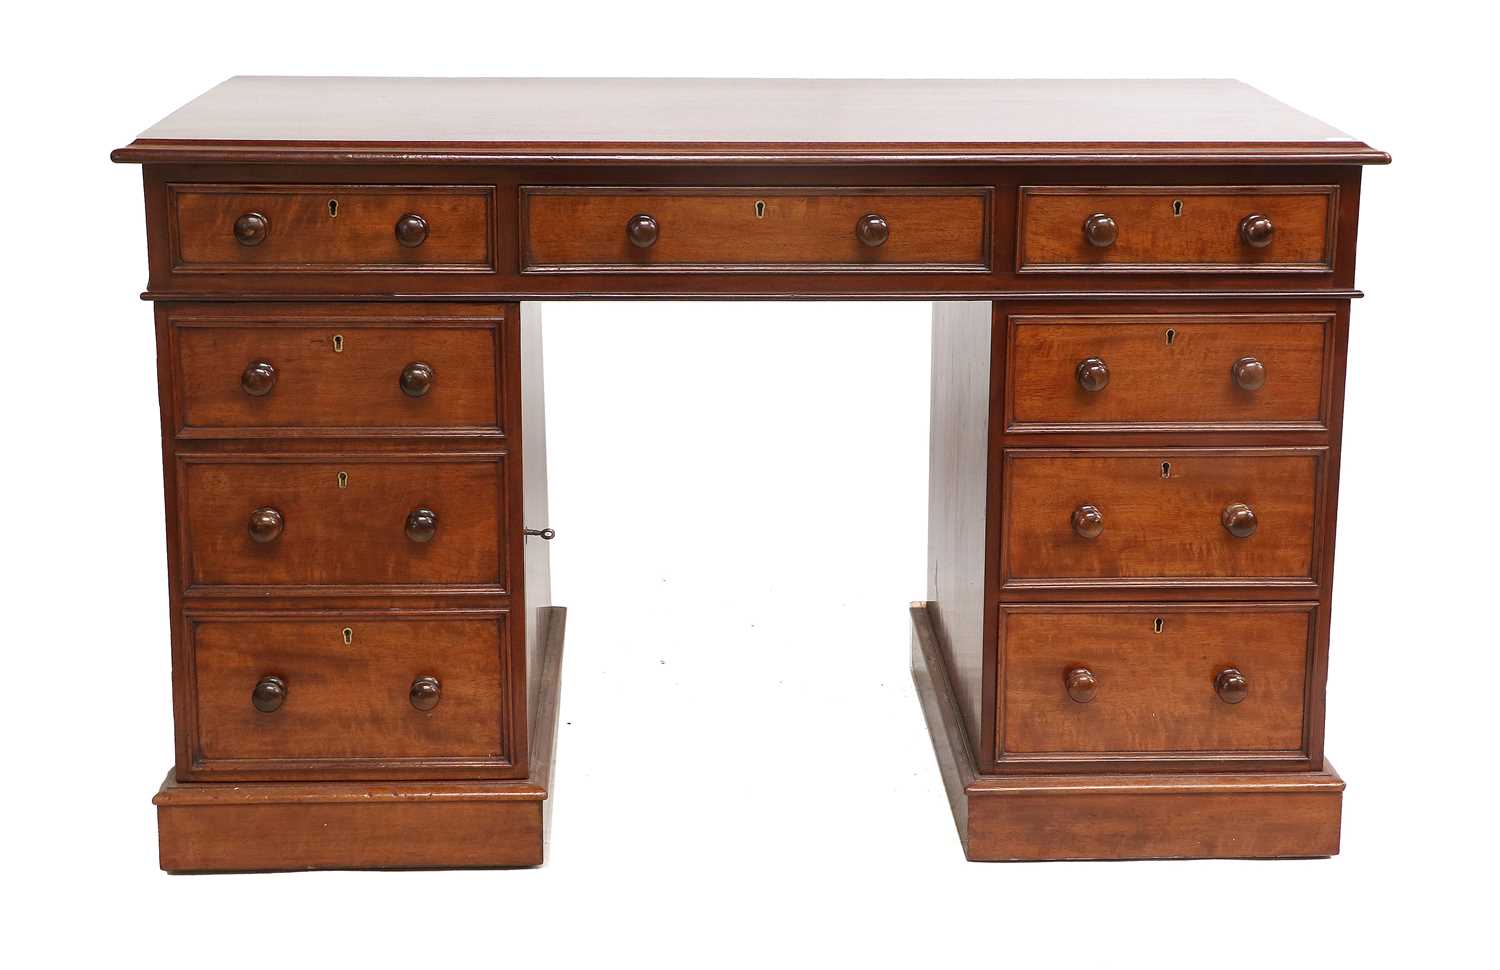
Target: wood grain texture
(344, 535)
(346, 703)
(1282, 814)
(773, 228)
(1160, 528)
(350, 227)
(1168, 371)
(328, 386)
(1155, 690)
(1185, 228)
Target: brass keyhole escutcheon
(1176, 208)
(338, 343)
(1157, 624)
(348, 635)
(1171, 336)
(333, 208)
(343, 479)
(1166, 469)
(760, 209)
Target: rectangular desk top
(258, 119)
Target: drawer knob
(258, 378)
(269, 694)
(425, 693)
(641, 230)
(1249, 373)
(265, 525)
(421, 525)
(1092, 374)
(1088, 521)
(1256, 230)
(411, 230)
(1231, 685)
(1239, 519)
(1081, 684)
(1100, 230)
(872, 230)
(416, 379)
(251, 229)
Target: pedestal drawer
(349, 691)
(361, 521)
(1140, 517)
(1171, 371)
(1153, 680)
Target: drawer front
(1279, 228)
(243, 374)
(1173, 516)
(331, 228)
(1261, 371)
(749, 230)
(275, 521)
(1154, 680)
(345, 690)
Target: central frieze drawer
(433, 520)
(344, 690)
(767, 230)
(1171, 516)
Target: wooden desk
(1141, 317)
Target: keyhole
(338, 343)
(1158, 624)
(1171, 336)
(349, 635)
(333, 208)
(1166, 469)
(343, 479)
(760, 209)
(1176, 208)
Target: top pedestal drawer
(1156, 229)
(737, 230)
(331, 228)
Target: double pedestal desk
(1142, 297)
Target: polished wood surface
(1152, 692)
(1187, 227)
(259, 370)
(232, 228)
(1168, 370)
(346, 705)
(704, 229)
(1138, 369)
(345, 531)
(1162, 512)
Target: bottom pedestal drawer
(351, 694)
(1103, 682)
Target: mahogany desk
(1142, 297)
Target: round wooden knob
(872, 230)
(1231, 685)
(425, 693)
(1081, 684)
(1100, 230)
(1092, 374)
(265, 525)
(1088, 521)
(1256, 230)
(1249, 373)
(1239, 519)
(416, 379)
(411, 230)
(258, 379)
(642, 231)
(421, 525)
(251, 229)
(269, 694)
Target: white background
(740, 491)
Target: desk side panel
(537, 561)
(958, 485)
